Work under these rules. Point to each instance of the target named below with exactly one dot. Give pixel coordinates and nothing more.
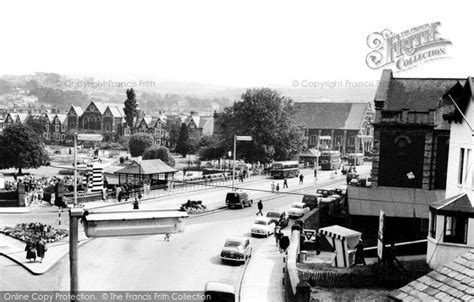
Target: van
(238, 199)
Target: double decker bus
(330, 160)
(356, 159)
(285, 169)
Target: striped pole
(59, 216)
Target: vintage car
(219, 291)
(298, 209)
(279, 217)
(263, 226)
(238, 200)
(236, 249)
(312, 201)
(352, 179)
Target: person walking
(167, 237)
(30, 251)
(260, 207)
(316, 174)
(41, 249)
(277, 188)
(285, 183)
(272, 186)
(278, 234)
(136, 204)
(301, 178)
(359, 253)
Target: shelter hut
(153, 172)
(343, 240)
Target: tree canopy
(183, 146)
(139, 142)
(268, 118)
(130, 108)
(21, 148)
(159, 152)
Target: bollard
(303, 292)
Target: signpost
(237, 138)
(380, 239)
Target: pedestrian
(140, 197)
(359, 253)
(285, 183)
(118, 193)
(272, 186)
(135, 204)
(317, 243)
(278, 235)
(30, 251)
(104, 194)
(277, 188)
(301, 178)
(167, 237)
(41, 249)
(316, 174)
(284, 243)
(260, 207)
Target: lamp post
(74, 215)
(411, 177)
(228, 159)
(237, 138)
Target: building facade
(345, 127)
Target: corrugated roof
(452, 282)
(338, 231)
(395, 202)
(344, 116)
(147, 167)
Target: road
(186, 262)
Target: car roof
(298, 203)
(267, 219)
(236, 238)
(276, 212)
(219, 287)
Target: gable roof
(456, 204)
(415, 94)
(320, 115)
(147, 167)
(453, 281)
(62, 118)
(78, 109)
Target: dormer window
(455, 229)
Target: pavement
(262, 280)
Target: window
(351, 141)
(313, 139)
(56, 128)
(433, 218)
(455, 229)
(464, 162)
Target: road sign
(89, 137)
(380, 243)
(308, 234)
(108, 224)
(243, 138)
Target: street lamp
(411, 177)
(237, 138)
(228, 159)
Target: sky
(227, 43)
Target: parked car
(280, 218)
(219, 291)
(311, 200)
(238, 199)
(236, 249)
(352, 178)
(364, 182)
(324, 192)
(263, 226)
(341, 190)
(298, 209)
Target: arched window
(85, 123)
(401, 144)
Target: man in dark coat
(359, 253)
(41, 249)
(260, 207)
(30, 251)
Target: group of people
(36, 249)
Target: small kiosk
(343, 240)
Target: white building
(451, 225)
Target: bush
(66, 172)
(159, 152)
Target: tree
(21, 148)
(139, 143)
(159, 152)
(269, 118)
(38, 125)
(173, 126)
(183, 145)
(131, 105)
(210, 148)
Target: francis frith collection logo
(407, 49)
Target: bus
(285, 169)
(356, 159)
(330, 160)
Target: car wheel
(242, 205)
